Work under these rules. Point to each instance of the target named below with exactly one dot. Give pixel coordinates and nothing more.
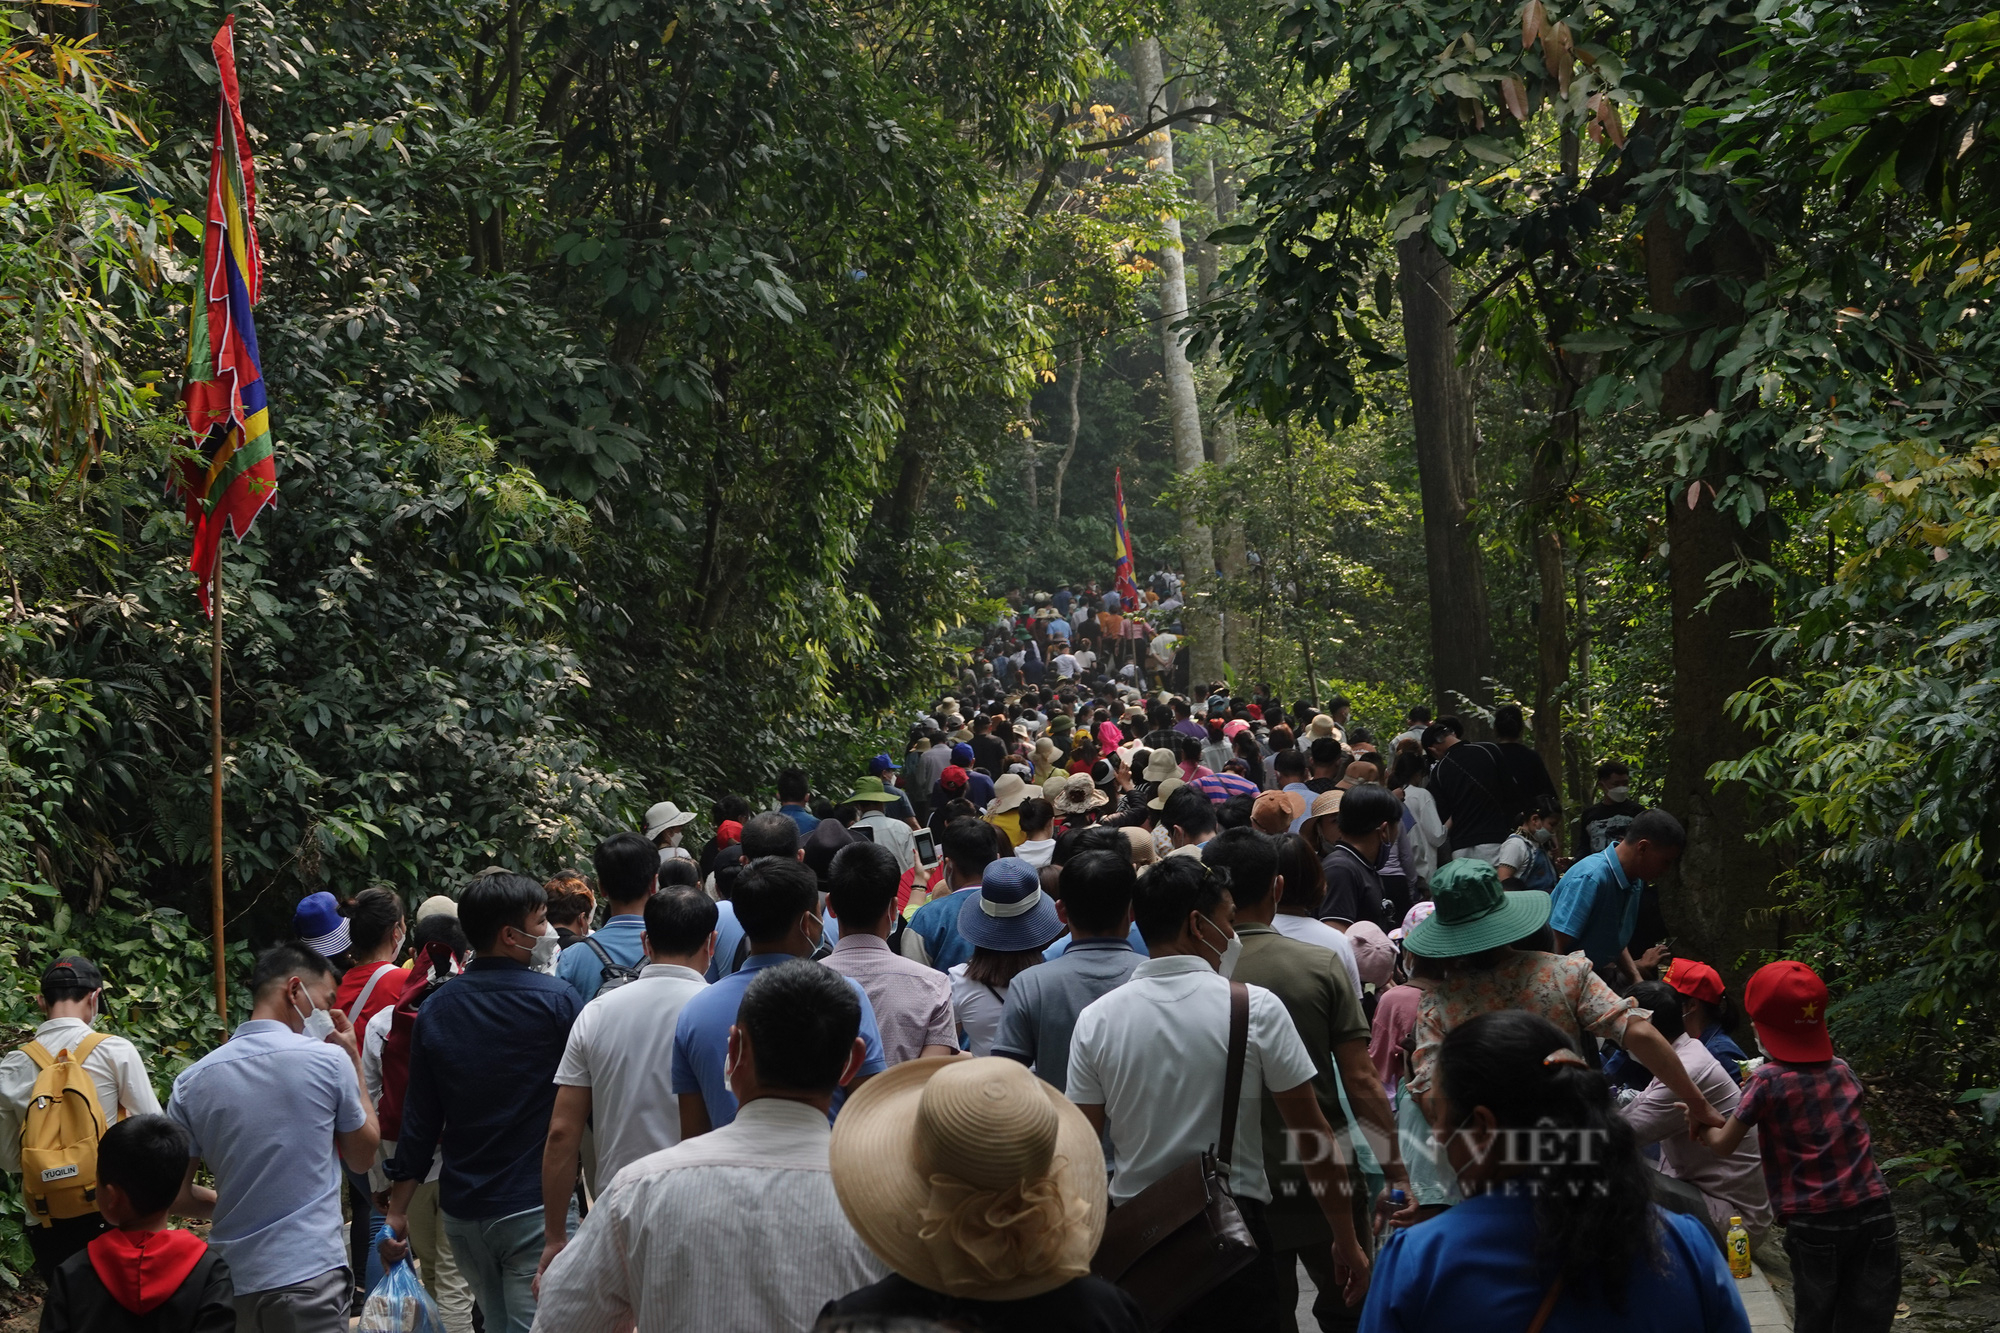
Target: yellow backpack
(59, 1134)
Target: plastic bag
(399, 1304)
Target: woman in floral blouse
(1473, 932)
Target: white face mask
(318, 1023)
(542, 955)
(1231, 952)
(1543, 836)
(1616, 794)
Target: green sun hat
(871, 789)
(1474, 913)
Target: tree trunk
(1548, 492)
(1234, 555)
(1446, 435)
(1551, 637)
(1069, 450)
(1199, 618)
(1717, 906)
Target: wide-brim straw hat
(928, 1154)
(1079, 795)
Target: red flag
(223, 390)
(1126, 570)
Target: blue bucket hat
(320, 926)
(1010, 912)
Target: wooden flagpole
(215, 785)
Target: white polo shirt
(1311, 930)
(1152, 1052)
(621, 1047)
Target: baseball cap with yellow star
(1787, 1004)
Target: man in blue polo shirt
(777, 903)
(793, 794)
(269, 1111)
(1597, 901)
(628, 870)
(932, 937)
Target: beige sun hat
(1324, 804)
(1161, 764)
(1009, 790)
(1144, 850)
(971, 1177)
(1166, 789)
(1322, 727)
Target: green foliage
(1882, 753)
(1332, 520)
(77, 261)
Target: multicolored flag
(1127, 567)
(223, 393)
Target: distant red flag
(223, 389)
(1126, 567)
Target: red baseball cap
(954, 778)
(1697, 981)
(1787, 1004)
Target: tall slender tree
(1445, 436)
(1201, 618)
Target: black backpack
(615, 974)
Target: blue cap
(961, 754)
(320, 926)
(1010, 912)
(882, 763)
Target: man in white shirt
(72, 993)
(739, 1230)
(1148, 1061)
(615, 1071)
(1065, 664)
(1086, 658)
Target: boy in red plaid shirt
(1805, 1105)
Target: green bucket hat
(871, 789)
(1474, 913)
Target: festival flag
(223, 393)
(1127, 568)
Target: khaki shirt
(1312, 984)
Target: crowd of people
(947, 1046)
(1077, 634)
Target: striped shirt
(912, 1002)
(1219, 787)
(737, 1231)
